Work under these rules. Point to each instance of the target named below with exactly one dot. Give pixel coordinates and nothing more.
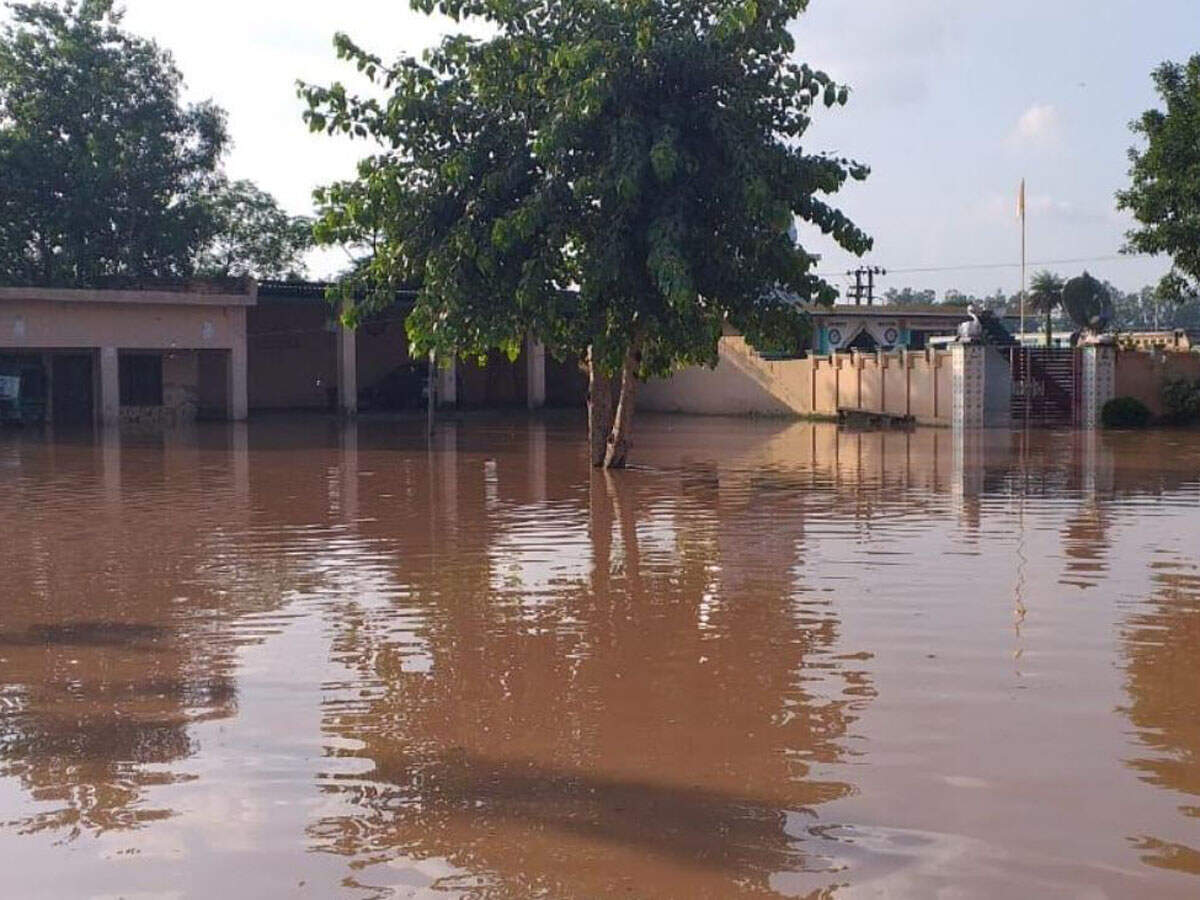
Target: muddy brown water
(300, 659)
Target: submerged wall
(902, 383)
(1142, 375)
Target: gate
(1046, 385)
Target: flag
(1021, 202)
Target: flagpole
(1022, 261)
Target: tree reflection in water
(658, 711)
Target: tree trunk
(618, 441)
(600, 410)
(1049, 330)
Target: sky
(953, 102)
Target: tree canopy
(105, 175)
(1045, 295)
(611, 178)
(1164, 193)
(252, 235)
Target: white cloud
(1038, 126)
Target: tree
(253, 236)
(1045, 295)
(612, 179)
(909, 297)
(102, 170)
(1164, 194)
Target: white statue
(971, 332)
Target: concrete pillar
(48, 374)
(535, 373)
(108, 409)
(236, 390)
(347, 367)
(447, 382)
(967, 385)
(1099, 381)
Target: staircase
(1045, 385)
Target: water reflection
(607, 697)
(774, 659)
(1162, 654)
(108, 651)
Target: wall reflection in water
(530, 678)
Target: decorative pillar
(347, 368)
(535, 373)
(967, 381)
(447, 382)
(1099, 381)
(108, 410)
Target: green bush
(1125, 412)
(1181, 401)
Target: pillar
(967, 385)
(109, 407)
(1099, 381)
(535, 373)
(236, 391)
(447, 382)
(347, 368)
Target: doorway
(72, 389)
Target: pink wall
(1142, 375)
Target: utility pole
(864, 283)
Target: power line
(1004, 265)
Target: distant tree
(1045, 295)
(611, 178)
(1164, 194)
(102, 169)
(1001, 303)
(909, 296)
(1148, 310)
(955, 297)
(252, 235)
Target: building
(161, 354)
(179, 352)
(846, 327)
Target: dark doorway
(863, 342)
(72, 389)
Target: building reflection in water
(1162, 677)
(110, 650)
(623, 688)
(536, 679)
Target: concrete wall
(180, 393)
(499, 383)
(743, 383)
(144, 326)
(1142, 375)
(292, 355)
(382, 348)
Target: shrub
(1181, 401)
(1125, 412)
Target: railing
(1046, 385)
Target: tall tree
(252, 235)
(612, 179)
(1045, 295)
(102, 169)
(1164, 194)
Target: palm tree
(1045, 293)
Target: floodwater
(302, 659)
